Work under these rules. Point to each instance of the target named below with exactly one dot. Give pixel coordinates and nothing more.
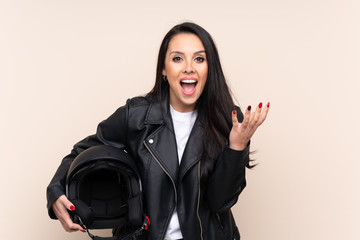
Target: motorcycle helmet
(104, 185)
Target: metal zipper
(152, 154)
(198, 204)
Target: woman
(190, 141)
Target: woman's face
(186, 69)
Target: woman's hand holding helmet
(61, 207)
(241, 133)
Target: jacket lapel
(193, 149)
(161, 142)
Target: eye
(176, 59)
(199, 59)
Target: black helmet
(104, 185)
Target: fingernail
(234, 112)
(249, 108)
(268, 105)
(72, 208)
(260, 105)
(82, 230)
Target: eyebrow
(178, 52)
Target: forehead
(186, 43)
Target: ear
(163, 72)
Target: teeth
(188, 81)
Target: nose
(188, 67)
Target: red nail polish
(268, 105)
(82, 230)
(260, 105)
(72, 208)
(234, 112)
(249, 108)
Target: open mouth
(188, 86)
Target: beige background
(67, 65)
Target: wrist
(238, 147)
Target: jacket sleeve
(228, 178)
(112, 131)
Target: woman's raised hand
(61, 207)
(241, 133)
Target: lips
(188, 85)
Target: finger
(247, 117)
(71, 226)
(61, 207)
(256, 116)
(64, 218)
(65, 201)
(68, 224)
(264, 114)
(234, 119)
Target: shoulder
(133, 106)
(139, 102)
(138, 108)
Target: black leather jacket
(144, 128)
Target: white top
(183, 123)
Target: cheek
(172, 70)
(204, 69)
(204, 73)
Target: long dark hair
(215, 103)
